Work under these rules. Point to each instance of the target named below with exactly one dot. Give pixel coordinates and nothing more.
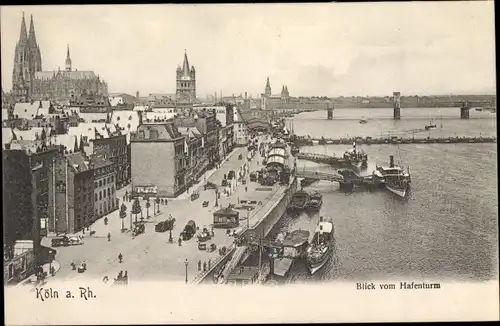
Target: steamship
(321, 246)
(397, 180)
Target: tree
(123, 215)
(148, 205)
(75, 149)
(157, 200)
(81, 144)
(136, 208)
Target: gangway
(316, 175)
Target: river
(446, 230)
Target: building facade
(27, 191)
(73, 194)
(105, 200)
(158, 160)
(185, 82)
(115, 150)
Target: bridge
(464, 105)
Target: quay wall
(273, 215)
(262, 228)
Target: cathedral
(29, 82)
(185, 82)
(283, 97)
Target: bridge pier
(329, 111)
(396, 115)
(464, 110)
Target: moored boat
(315, 200)
(355, 157)
(321, 246)
(295, 246)
(396, 179)
(299, 201)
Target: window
(104, 194)
(100, 183)
(104, 182)
(96, 197)
(112, 178)
(96, 184)
(100, 195)
(113, 189)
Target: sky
(364, 49)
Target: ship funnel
(391, 161)
(321, 218)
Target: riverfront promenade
(150, 256)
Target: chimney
(137, 94)
(391, 161)
(245, 95)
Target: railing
(203, 274)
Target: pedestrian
(180, 241)
(52, 270)
(120, 275)
(246, 188)
(199, 265)
(209, 264)
(109, 237)
(120, 257)
(204, 266)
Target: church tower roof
(32, 35)
(23, 37)
(268, 87)
(185, 65)
(68, 60)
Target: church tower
(68, 60)
(267, 91)
(27, 61)
(186, 81)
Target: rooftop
(30, 110)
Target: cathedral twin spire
(27, 60)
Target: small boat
(315, 200)
(307, 182)
(299, 201)
(320, 248)
(363, 121)
(295, 246)
(479, 109)
(430, 126)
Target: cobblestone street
(150, 255)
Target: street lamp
(186, 264)
(216, 197)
